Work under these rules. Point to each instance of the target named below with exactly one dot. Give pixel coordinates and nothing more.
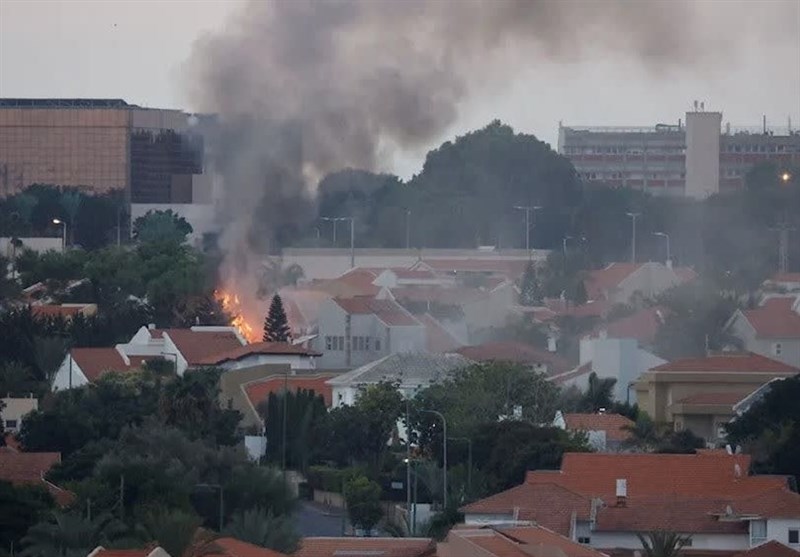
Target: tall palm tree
(69, 535)
(600, 393)
(175, 531)
(264, 529)
(661, 543)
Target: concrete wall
(778, 530)
(628, 540)
(333, 323)
(702, 153)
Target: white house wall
(778, 530)
(475, 518)
(61, 381)
(628, 540)
(168, 350)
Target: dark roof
(64, 103)
(259, 349)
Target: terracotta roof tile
(601, 281)
(46, 311)
(259, 349)
(537, 536)
(258, 391)
(515, 352)
(21, 468)
(642, 325)
(678, 515)
(390, 547)
(770, 549)
(388, 311)
(95, 362)
(612, 424)
(196, 346)
(745, 362)
(103, 552)
(776, 318)
(231, 547)
(722, 399)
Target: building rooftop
(259, 390)
(613, 424)
(231, 547)
(64, 103)
(438, 338)
(720, 399)
(388, 311)
(515, 352)
(96, 362)
(410, 369)
(770, 549)
(734, 362)
(198, 345)
(258, 349)
(366, 547)
(641, 325)
(21, 468)
(776, 318)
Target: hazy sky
(136, 50)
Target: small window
(377, 345)
(11, 424)
(794, 536)
(777, 348)
(585, 540)
(366, 343)
(328, 343)
(758, 531)
(341, 343)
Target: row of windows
(358, 343)
(632, 175)
(620, 150)
(760, 148)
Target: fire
(231, 304)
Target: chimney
(622, 492)
(151, 326)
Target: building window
(586, 540)
(377, 345)
(758, 532)
(721, 431)
(777, 348)
(794, 536)
(11, 424)
(329, 343)
(366, 343)
(340, 343)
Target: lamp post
(444, 459)
(528, 210)
(666, 236)
(469, 460)
(633, 217)
(63, 233)
(564, 245)
(333, 220)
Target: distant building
(619, 283)
(514, 540)
(536, 359)
(605, 432)
(772, 329)
(696, 160)
(13, 411)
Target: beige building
(698, 394)
(13, 411)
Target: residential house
(642, 325)
(62, 311)
(231, 547)
(620, 283)
(772, 329)
(698, 394)
(511, 541)
(770, 549)
(21, 468)
(542, 361)
(356, 331)
(185, 347)
(475, 269)
(412, 371)
(603, 500)
(263, 353)
(605, 431)
(620, 359)
(378, 547)
(13, 411)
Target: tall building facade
(99, 145)
(697, 158)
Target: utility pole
(633, 217)
(408, 228)
(528, 210)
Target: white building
(13, 411)
(772, 329)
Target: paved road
(313, 519)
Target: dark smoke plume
(305, 87)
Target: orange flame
(231, 304)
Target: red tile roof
(512, 268)
(20, 468)
(196, 346)
(516, 352)
(388, 311)
(259, 349)
(676, 514)
(438, 339)
(379, 547)
(231, 547)
(612, 424)
(47, 311)
(739, 362)
(96, 362)
(770, 549)
(258, 391)
(775, 318)
(642, 325)
(722, 399)
(355, 282)
(602, 281)
(785, 277)
(103, 552)
(537, 536)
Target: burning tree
(276, 325)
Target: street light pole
(528, 209)
(408, 228)
(333, 220)
(444, 459)
(666, 236)
(633, 217)
(352, 241)
(63, 233)
(564, 244)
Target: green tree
(307, 414)
(174, 530)
(599, 394)
(645, 434)
(69, 535)
(530, 292)
(363, 499)
(161, 227)
(276, 324)
(661, 543)
(20, 508)
(264, 529)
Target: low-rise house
(698, 394)
(770, 549)
(13, 411)
(511, 541)
(82, 366)
(622, 282)
(356, 331)
(21, 468)
(642, 325)
(772, 329)
(542, 361)
(604, 500)
(63, 311)
(264, 353)
(605, 431)
(377, 547)
(412, 372)
(231, 547)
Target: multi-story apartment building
(695, 158)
